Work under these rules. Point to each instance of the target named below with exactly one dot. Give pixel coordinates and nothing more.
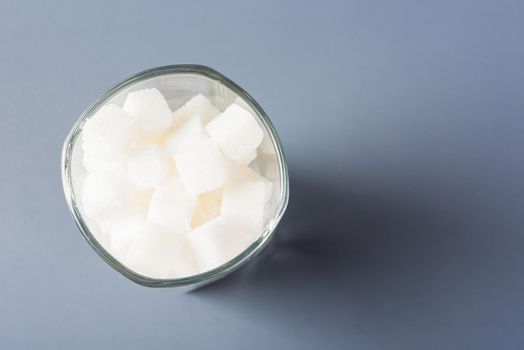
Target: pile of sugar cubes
(172, 195)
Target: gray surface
(403, 124)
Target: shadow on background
(378, 263)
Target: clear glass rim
(208, 276)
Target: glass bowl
(178, 83)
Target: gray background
(403, 126)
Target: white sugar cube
(149, 167)
(171, 206)
(121, 233)
(185, 265)
(246, 195)
(106, 198)
(186, 136)
(150, 109)
(98, 164)
(108, 132)
(202, 169)
(237, 133)
(217, 242)
(246, 202)
(207, 207)
(99, 197)
(198, 105)
(154, 251)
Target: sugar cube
(185, 265)
(108, 132)
(237, 133)
(97, 164)
(207, 207)
(246, 202)
(149, 167)
(197, 105)
(101, 197)
(186, 136)
(217, 242)
(121, 233)
(202, 169)
(171, 206)
(154, 251)
(150, 109)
